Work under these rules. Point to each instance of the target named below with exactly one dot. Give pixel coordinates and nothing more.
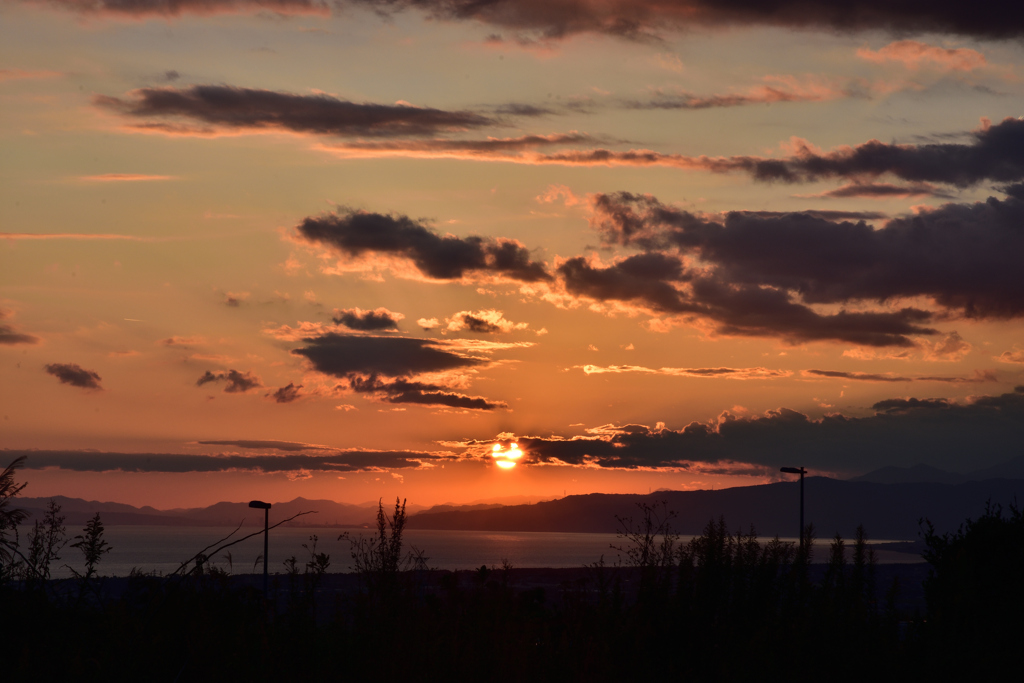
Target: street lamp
(801, 471)
(260, 505)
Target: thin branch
(203, 551)
(244, 538)
(14, 548)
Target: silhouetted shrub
(975, 592)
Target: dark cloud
(643, 20)
(965, 257)
(342, 461)
(367, 321)
(647, 20)
(762, 95)
(486, 321)
(647, 278)
(977, 378)
(825, 214)
(175, 8)
(994, 154)
(237, 382)
(905, 405)
(356, 233)
(903, 432)
(10, 335)
(885, 191)
(474, 324)
(223, 106)
(387, 367)
(523, 110)
(862, 376)
(343, 355)
(287, 394)
(492, 147)
(422, 393)
(75, 375)
(650, 281)
(171, 75)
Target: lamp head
(259, 504)
(787, 470)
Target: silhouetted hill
(918, 474)
(885, 510)
(1011, 469)
(449, 507)
(78, 512)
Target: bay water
(162, 549)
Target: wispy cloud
(775, 89)
(345, 460)
(915, 55)
(990, 157)
(883, 191)
(977, 378)
(725, 373)
(124, 178)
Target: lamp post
(801, 471)
(260, 505)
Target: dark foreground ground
(589, 624)
(552, 583)
(723, 607)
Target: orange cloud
(775, 88)
(1015, 356)
(485, 321)
(914, 55)
(726, 373)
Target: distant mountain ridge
(1011, 469)
(887, 511)
(78, 511)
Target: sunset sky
(279, 248)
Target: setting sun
(506, 460)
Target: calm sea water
(162, 549)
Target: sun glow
(506, 460)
